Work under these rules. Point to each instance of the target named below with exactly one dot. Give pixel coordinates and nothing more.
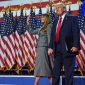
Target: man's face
(60, 10)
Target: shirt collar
(63, 16)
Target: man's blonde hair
(59, 4)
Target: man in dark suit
(64, 44)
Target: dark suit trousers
(68, 62)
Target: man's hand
(74, 49)
(50, 52)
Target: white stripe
(2, 54)
(30, 38)
(16, 42)
(18, 60)
(82, 43)
(19, 50)
(26, 49)
(8, 51)
(82, 53)
(3, 46)
(22, 42)
(74, 7)
(82, 33)
(12, 48)
(8, 62)
(10, 45)
(30, 58)
(79, 62)
(1, 64)
(16, 76)
(31, 76)
(32, 41)
(31, 49)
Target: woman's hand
(50, 52)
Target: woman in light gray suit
(42, 63)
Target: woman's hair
(47, 18)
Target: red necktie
(58, 30)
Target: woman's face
(43, 20)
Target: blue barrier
(22, 80)
(29, 80)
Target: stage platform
(29, 80)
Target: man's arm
(52, 36)
(50, 46)
(76, 34)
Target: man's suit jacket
(44, 37)
(69, 35)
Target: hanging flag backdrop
(17, 45)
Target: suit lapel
(65, 19)
(56, 22)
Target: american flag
(2, 45)
(38, 20)
(7, 42)
(80, 59)
(17, 44)
(32, 19)
(19, 40)
(30, 41)
(52, 14)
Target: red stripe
(22, 47)
(2, 47)
(82, 48)
(7, 46)
(78, 63)
(2, 60)
(18, 56)
(16, 39)
(30, 45)
(9, 40)
(82, 38)
(30, 52)
(30, 64)
(83, 59)
(6, 52)
(6, 64)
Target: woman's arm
(36, 31)
(49, 29)
(30, 30)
